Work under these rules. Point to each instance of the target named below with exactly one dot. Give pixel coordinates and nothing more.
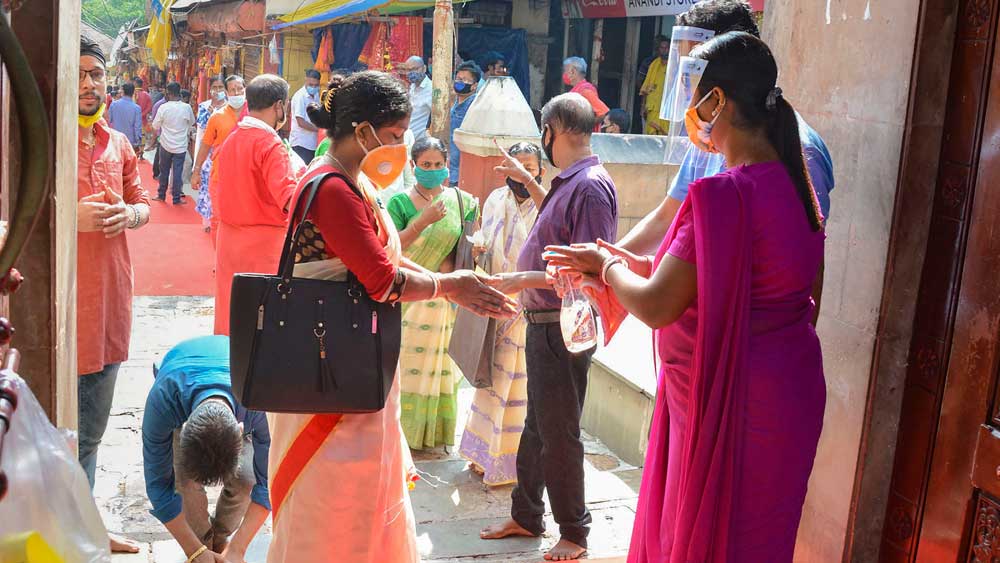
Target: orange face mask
(700, 132)
(384, 164)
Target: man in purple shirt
(581, 207)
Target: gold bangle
(437, 287)
(197, 553)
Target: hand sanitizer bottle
(576, 319)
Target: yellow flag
(160, 32)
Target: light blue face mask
(312, 90)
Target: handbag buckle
(354, 292)
(284, 289)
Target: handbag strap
(287, 264)
(461, 206)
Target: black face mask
(519, 189)
(547, 146)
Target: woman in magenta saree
(741, 393)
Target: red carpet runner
(172, 255)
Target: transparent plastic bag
(576, 320)
(48, 490)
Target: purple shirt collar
(583, 163)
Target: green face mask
(430, 179)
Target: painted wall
(857, 102)
(533, 16)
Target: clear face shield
(682, 41)
(689, 73)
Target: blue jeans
(95, 393)
(171, 163)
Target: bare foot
(504, 530)
(476, 469)
(122, 545)
(565, 550)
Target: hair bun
(323, 114)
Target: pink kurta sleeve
(683, 245)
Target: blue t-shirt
(191, 372)
(458, 112)
(699, 164)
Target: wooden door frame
(44, 310)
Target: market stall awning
(322, 11)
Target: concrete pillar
(533, 17)
(858, 104)
(44, 310)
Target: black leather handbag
(301, 345)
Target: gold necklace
(421, 194)
(340, 165)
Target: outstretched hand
(587, 259)
(512, 168)
(641, 265)
(474, 292)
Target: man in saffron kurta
(251, 184)
(110, 200)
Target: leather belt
(542, 317)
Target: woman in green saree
(429, 223)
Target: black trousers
(551, 453)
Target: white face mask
(237, 101)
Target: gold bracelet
(197, 553)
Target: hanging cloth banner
(160, 32)
(389, 45)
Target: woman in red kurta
(339, 482)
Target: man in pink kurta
(252, 181)
(110, 200)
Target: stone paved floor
(451, 504)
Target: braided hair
(372, 96)
(744, 68)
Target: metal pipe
(33, 186)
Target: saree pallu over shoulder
(339, 482)
(712, 444)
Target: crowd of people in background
(754, 188)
